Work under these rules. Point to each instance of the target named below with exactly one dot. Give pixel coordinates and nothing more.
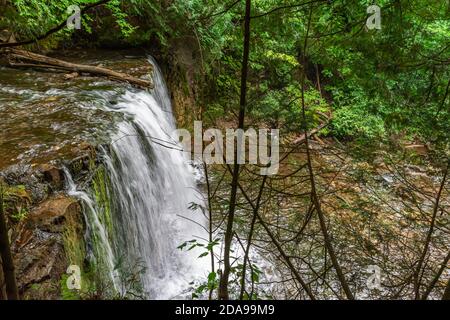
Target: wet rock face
(24, 175)
(39, 214)
(38, 249)
(40, 262)
(52, 174)
(50, 215)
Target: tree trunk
(417, 278)
(2, 282)
(430, 287)
(249, 239)
(223, 286)
(5, 253)
(314, 194)
(286, 258)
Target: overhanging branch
(53, 30)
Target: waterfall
(151, 186)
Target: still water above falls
(144, 210)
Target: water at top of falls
(152, 187)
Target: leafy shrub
(349, 121)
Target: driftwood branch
(41, 61)
(302, 138)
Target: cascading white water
(152, 186)
(102, 253)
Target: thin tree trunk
(250, 236)
(319, 87)
(210, 214)
(223, 287)
(5, 253)
(286, 258)
(2, 282)
(314, 196)
(417, 278)
(433, 282)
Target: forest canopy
(377, 82)
(364, 118)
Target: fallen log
(34, 66)
(42, 61)
(302, 138)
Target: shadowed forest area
(99, 201)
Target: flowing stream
(150, 188)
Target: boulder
(52, 174)
(7, 36)
(51, 214)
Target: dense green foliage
(376, 82)
(372, 89)
(373, 82)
